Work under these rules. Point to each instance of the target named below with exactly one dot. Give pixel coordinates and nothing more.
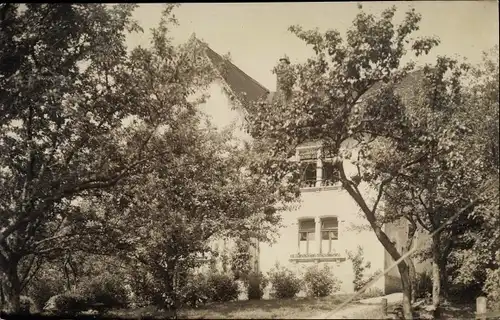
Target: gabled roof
(240, 83)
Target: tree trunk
(436, 273)
(413, 279)
(11, 287)
(406, 288)
(409, 261)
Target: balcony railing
(317, 257)
(323, 183)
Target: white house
(328, 222)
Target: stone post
(317, 229)
(481, 307)
(319, 169)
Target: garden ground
(296, 308)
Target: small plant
(320, 282)
(359, 266)
(423, 285)
(256, 283)
(222, 287)
(285, 283)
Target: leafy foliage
(359, 267)
(67, 303)
(320, 282)
(423, 285)
(285, 283)
(241, 260)
(28, 305)
(222, 287)
(104, 289)
(196, 291)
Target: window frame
(307, 232)
(330, 231)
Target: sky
(256, 35)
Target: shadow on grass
(282, 308)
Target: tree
(475, 259)
(77, 118)
(321, 100)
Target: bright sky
(256, 36)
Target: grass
(295, 308)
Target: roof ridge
(235, 66)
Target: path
(363, 309)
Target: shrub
(105, 289)
(222, 287)
(196, 290)
(67, 303)
(256, 282)
(492, 288)
(423, 285)
(285, 283)
(320, 282)
(146, 289)
(28, 305)
(46, 284)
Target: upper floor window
(316, 171)
(306, 235)
(329, 233)
(308, 172)
(330, 174)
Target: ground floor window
(329, 233)
(306, 235)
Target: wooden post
(384, 307)
(481, 307)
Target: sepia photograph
(250, 160)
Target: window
(308, 172)
(329, 233)
(306, 235)
(330, 174)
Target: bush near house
(285, 283)
(196, 290)
(320, 282)
(222, 287)
(256, 282)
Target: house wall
(331, 202)
(221, 112)
(398, 233)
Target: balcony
(319, 185)
(317, 257)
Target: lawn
(296, 308)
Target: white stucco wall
(336, 202)
(221, 114)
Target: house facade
(327, 223)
